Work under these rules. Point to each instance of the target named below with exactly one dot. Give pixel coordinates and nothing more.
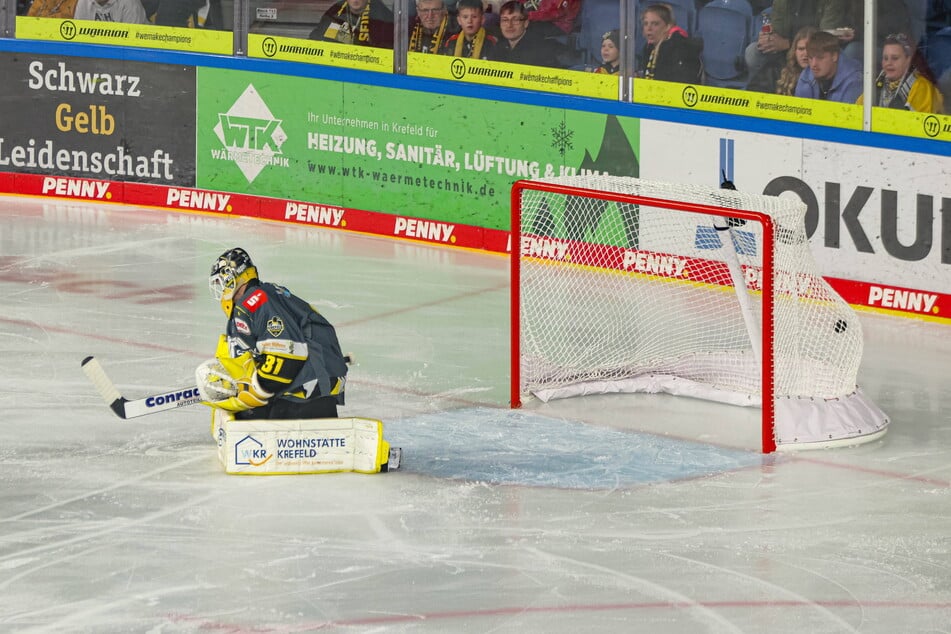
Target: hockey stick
(126, 409)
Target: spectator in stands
(431, 28)
(797, 60)
(902, 85)
(63, 9)
(125, 11)
(360, 22)
(610, 53)
(765, 57)
(553, 18)
(669, 53)
(519, 43)
(472, 41)
(831, 76)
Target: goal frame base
(800, 423)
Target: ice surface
(615, 513)
(522, 448)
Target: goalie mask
(231, 270)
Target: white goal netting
(661, 294)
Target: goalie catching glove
(231, 384)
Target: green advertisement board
(432, 156)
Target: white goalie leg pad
(280, 447)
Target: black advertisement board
(106, 119)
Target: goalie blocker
(282, 447)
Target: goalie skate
(393, 463)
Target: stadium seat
(939, 51)
(725, 27)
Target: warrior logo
(250, 134)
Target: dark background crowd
(803, 48)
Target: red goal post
(625, 285)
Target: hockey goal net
(625, 285)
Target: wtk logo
(250, 134)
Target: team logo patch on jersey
(242, 326)
(275, 326)
(257, 299)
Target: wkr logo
(249, 451)
(252, 137)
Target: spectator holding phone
(765, 57)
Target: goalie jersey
(295, 348)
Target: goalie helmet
(231, 270)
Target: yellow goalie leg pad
(282, 447)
